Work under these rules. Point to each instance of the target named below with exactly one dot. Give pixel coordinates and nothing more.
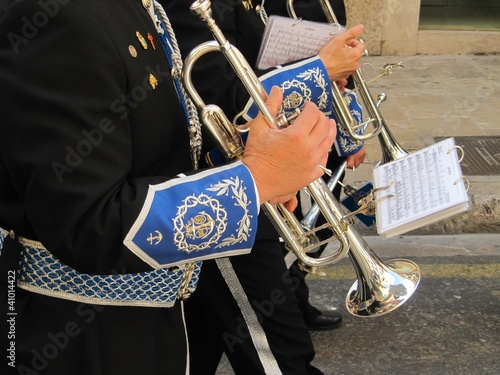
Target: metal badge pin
(247, 4)
(141, 39)
(151, 40)
(146, 3)
(132, 50)
(153, 81)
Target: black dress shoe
(324, 322)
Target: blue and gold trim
(306, 81)
(208, 215)
(344, 144)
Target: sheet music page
(426, 186)
(286, 39)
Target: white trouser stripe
(254, 328)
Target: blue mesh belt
(40, 272)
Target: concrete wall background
(391, 28)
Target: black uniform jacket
(89, 118)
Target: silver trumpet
(297, 239)
(382, 287)
(340, 107)
(391, 149)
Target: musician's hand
(356, 159)
(342, 53)
(284, 161)
(289, 201)
(341, 84)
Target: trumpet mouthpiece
(202, 8)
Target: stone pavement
(450, 326)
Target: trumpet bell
(384, 289)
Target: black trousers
(58, 337)
(279, 298)
(217, 316)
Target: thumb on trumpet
(273, 104)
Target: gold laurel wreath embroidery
(238, 191)
(346, 142)
(347, 146)
(316, 75)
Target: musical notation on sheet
(286, 40)
(426, 186)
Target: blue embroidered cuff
(208, 215)
(308, 80)
(301, 82)
(344, 144)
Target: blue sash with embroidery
(38, 271)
